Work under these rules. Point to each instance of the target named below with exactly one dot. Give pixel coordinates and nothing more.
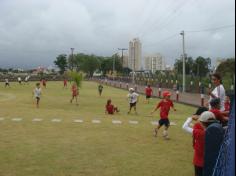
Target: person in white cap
(198, 132)
(133, 98)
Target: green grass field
(85, 149)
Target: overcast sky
(34, 32)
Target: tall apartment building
(154, 63)
(135, 54)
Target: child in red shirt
(164, 106)
(148, 92)
(65, 83)
(215, 109)
(75, 93)
(227, 104)
(198, 132)
(44, 83)
(110, 108)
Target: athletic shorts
(37, 98)
(7, 84)
(133, 104)
(148, 96)
(198, 171)
(165, 122)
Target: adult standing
(219, 91)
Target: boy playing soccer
(133, 100)
(75, 93)
(37, 94)
(100, 89)
(7, 84)
(148, 92)
(164, 106)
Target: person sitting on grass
(75, 93)
(164, 106)
(37, 92)
(198, 132)
(215, 109)
(110, 108)
(133, 98)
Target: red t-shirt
(74, 90)
(148, 91)
(110, 109)
(219, 116)
(198, 145)
(65, 82)
(227, 106)
(165, 108)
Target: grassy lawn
(84, 149)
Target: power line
(213, 29)
(163, 40)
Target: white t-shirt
(37, 92)
(133, 97)
(19, 78)
(219, 92)
(6, 81)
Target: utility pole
(184, 61)
(113, 74)
(72, 56)
(133, 65)
(122, 52)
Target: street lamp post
(184, 60)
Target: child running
(110, 108)
(44, 83)
(100, 89)
(19, 80)
(148, 92)
(198, 132)
(133, 98)
(37, 94)
(75, 93)
(7, 84)
(65, 83)
(164, 106)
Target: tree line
(90, 64)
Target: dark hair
(200, 110)
(37, 84)
(218, 76)
(108, 102)
(215, 102)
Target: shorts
(7, 84)
(198, 171)
(133, 104)
(165, 122)
(37, 98)
(148, 96)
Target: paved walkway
(192, 99)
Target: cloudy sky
(34, 32)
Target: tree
(61, 63)
(201, 66)
(90, 64)
(179, 65)
(227, 66)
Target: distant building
(125, 61)
(154, 63)
(135, 54)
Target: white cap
(207, 116)
(131, 89)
